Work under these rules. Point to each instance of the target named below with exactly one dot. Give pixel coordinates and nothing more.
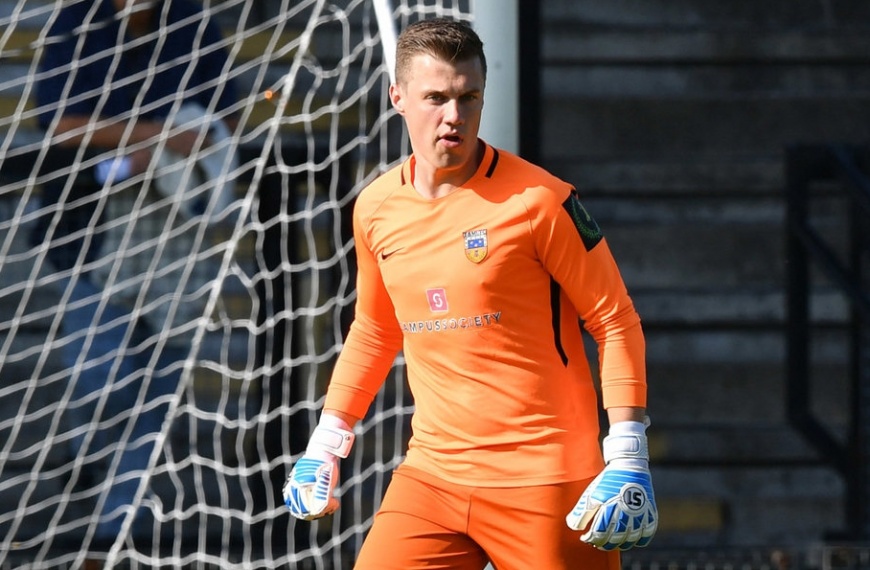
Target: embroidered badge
(586, 226)
(476, 246)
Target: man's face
(441, 103)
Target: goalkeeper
(481, 267)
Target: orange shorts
(425, 522)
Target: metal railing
(835, 252)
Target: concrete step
(656, 46)
(676, 80)
(701, 518)
(600, 127)
(699, 376)
(792, 505)
(689, 176)
(728, 443)
(683, 14)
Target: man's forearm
(71, 131)
(625, 414)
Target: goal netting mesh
(159, 380)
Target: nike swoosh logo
(386, 254)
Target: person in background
(481, 268)
(112, 73)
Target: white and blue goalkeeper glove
(618, 509)
(309, 490)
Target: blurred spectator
(113, 75)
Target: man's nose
(452, 112)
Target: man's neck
(433, 183)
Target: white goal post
(196, 325)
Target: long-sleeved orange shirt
(485, 290)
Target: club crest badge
(476, 246)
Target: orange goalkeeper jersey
(485, 290)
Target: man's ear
(397, 98)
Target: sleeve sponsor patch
(586, 226)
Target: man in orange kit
(481, 266)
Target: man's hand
(618, 509)
(308, 492)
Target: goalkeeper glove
(619, 503)
(308, 492)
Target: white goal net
(169, 321)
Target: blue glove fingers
(295, 504)
(627, 516)
(649, 529)
(303, 474)
(306, 473)
(616, 527)
(323, 487)
(603, 525)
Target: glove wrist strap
(626, 440)
(332, 436)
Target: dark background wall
(672, 118)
